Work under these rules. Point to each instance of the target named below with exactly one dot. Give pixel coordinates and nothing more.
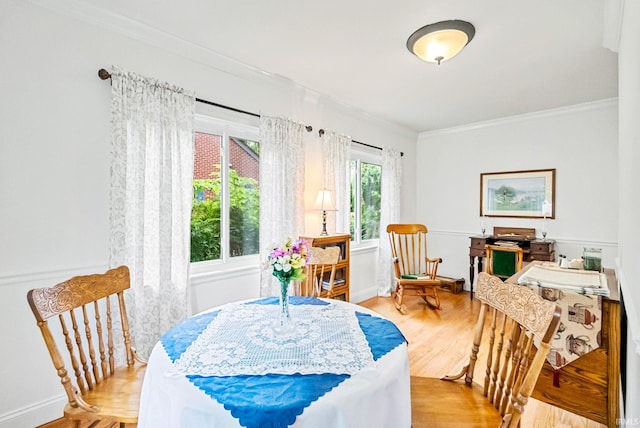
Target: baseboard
(34, 414)
(363, 295)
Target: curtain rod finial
(104, 74)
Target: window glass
(205, 214)
(244, 197)
(365, 178)
(226, 195)
(370, 209)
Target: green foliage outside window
(370, 179)
(370, 201)
(244, 213)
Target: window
(226, 195)
(365, 175)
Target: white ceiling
(526, 55)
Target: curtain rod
(105, 75)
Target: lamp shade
(441, 41)
(324, 201)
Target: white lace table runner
(241, 340)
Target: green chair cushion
(504, 263)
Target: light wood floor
(439, 344)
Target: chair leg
(431, 292)
(436, 298)
(397, 300)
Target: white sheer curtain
(389, 213)
(281, 188)
(151, 194)
(336, 151)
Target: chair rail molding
(558, 240)
(52, 276)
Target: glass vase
(284, 324)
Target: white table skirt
(377, 396)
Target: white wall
(54, 166)
(580, 142)
(629, 78)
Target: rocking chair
(415, 273)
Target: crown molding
(593, 105)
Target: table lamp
(324, 203)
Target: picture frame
(527, 194)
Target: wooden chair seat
(518, 326)
(98, 370)
(415, 273)
(117, 398)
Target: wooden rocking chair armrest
(434, 259)
(396, 268)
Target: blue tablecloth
(273, 400)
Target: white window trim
(225, 128)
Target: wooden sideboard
(342, 267)
(590, 385)
(524, 238)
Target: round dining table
(342, 366)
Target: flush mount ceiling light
(441, 41)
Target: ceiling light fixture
(441, 41)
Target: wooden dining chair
(321, 275)
(415, 273)
(98, 388)
(502, 261)
(518, 327)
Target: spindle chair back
(518, 326)
(98, 370)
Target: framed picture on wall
(529, 194)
